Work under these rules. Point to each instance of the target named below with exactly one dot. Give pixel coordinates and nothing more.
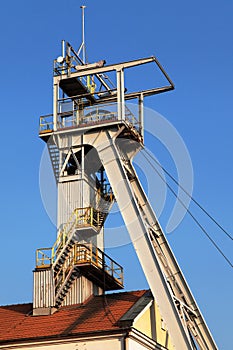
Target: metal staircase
(68, 257)
(55, 158)
(105, 202)
(87, 260)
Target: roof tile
(98, 313)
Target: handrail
(105, 192)
(91, 254)
(87, 253)
(91, 115)
(81, 253)
(43, 259)
(80, 217)
(88, 216)
(46, 123)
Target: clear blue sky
(193, 41)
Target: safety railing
(46, 123)
(63, 273)
(130, 118)
(80, 217)
(113, 269)
(88, 217)
(89, 254)
(81, 254)
(89, 116)
(43, 257)
(105, 191)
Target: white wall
(103, 344)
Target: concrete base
(44, 311)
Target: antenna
(83, 45)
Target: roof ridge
(19, 304)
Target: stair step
(58, 265)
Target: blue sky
(193, 41)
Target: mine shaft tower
(92, 138)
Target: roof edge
(128, 318)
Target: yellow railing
(64, 271)
(88, 253)
(88, 217)
(63, 236)
(91, 84)
(84, 254)
(80, 217)
(105, 191)
(43, 257)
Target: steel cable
(188, 194)
(189, 212)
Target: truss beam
(168, 285)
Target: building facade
(117, 321)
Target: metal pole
(55, 102)
(63, 48)
(82, 202)
(83, 33)
(141, 115)
(120, 94)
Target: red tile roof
(97, 314)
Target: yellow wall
(163, 337)
(158, 332)
(143, 323)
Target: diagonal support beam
(137, 228)
(171, 269)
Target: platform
(74, 87)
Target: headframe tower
(92, 138)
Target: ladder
(55, 158)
